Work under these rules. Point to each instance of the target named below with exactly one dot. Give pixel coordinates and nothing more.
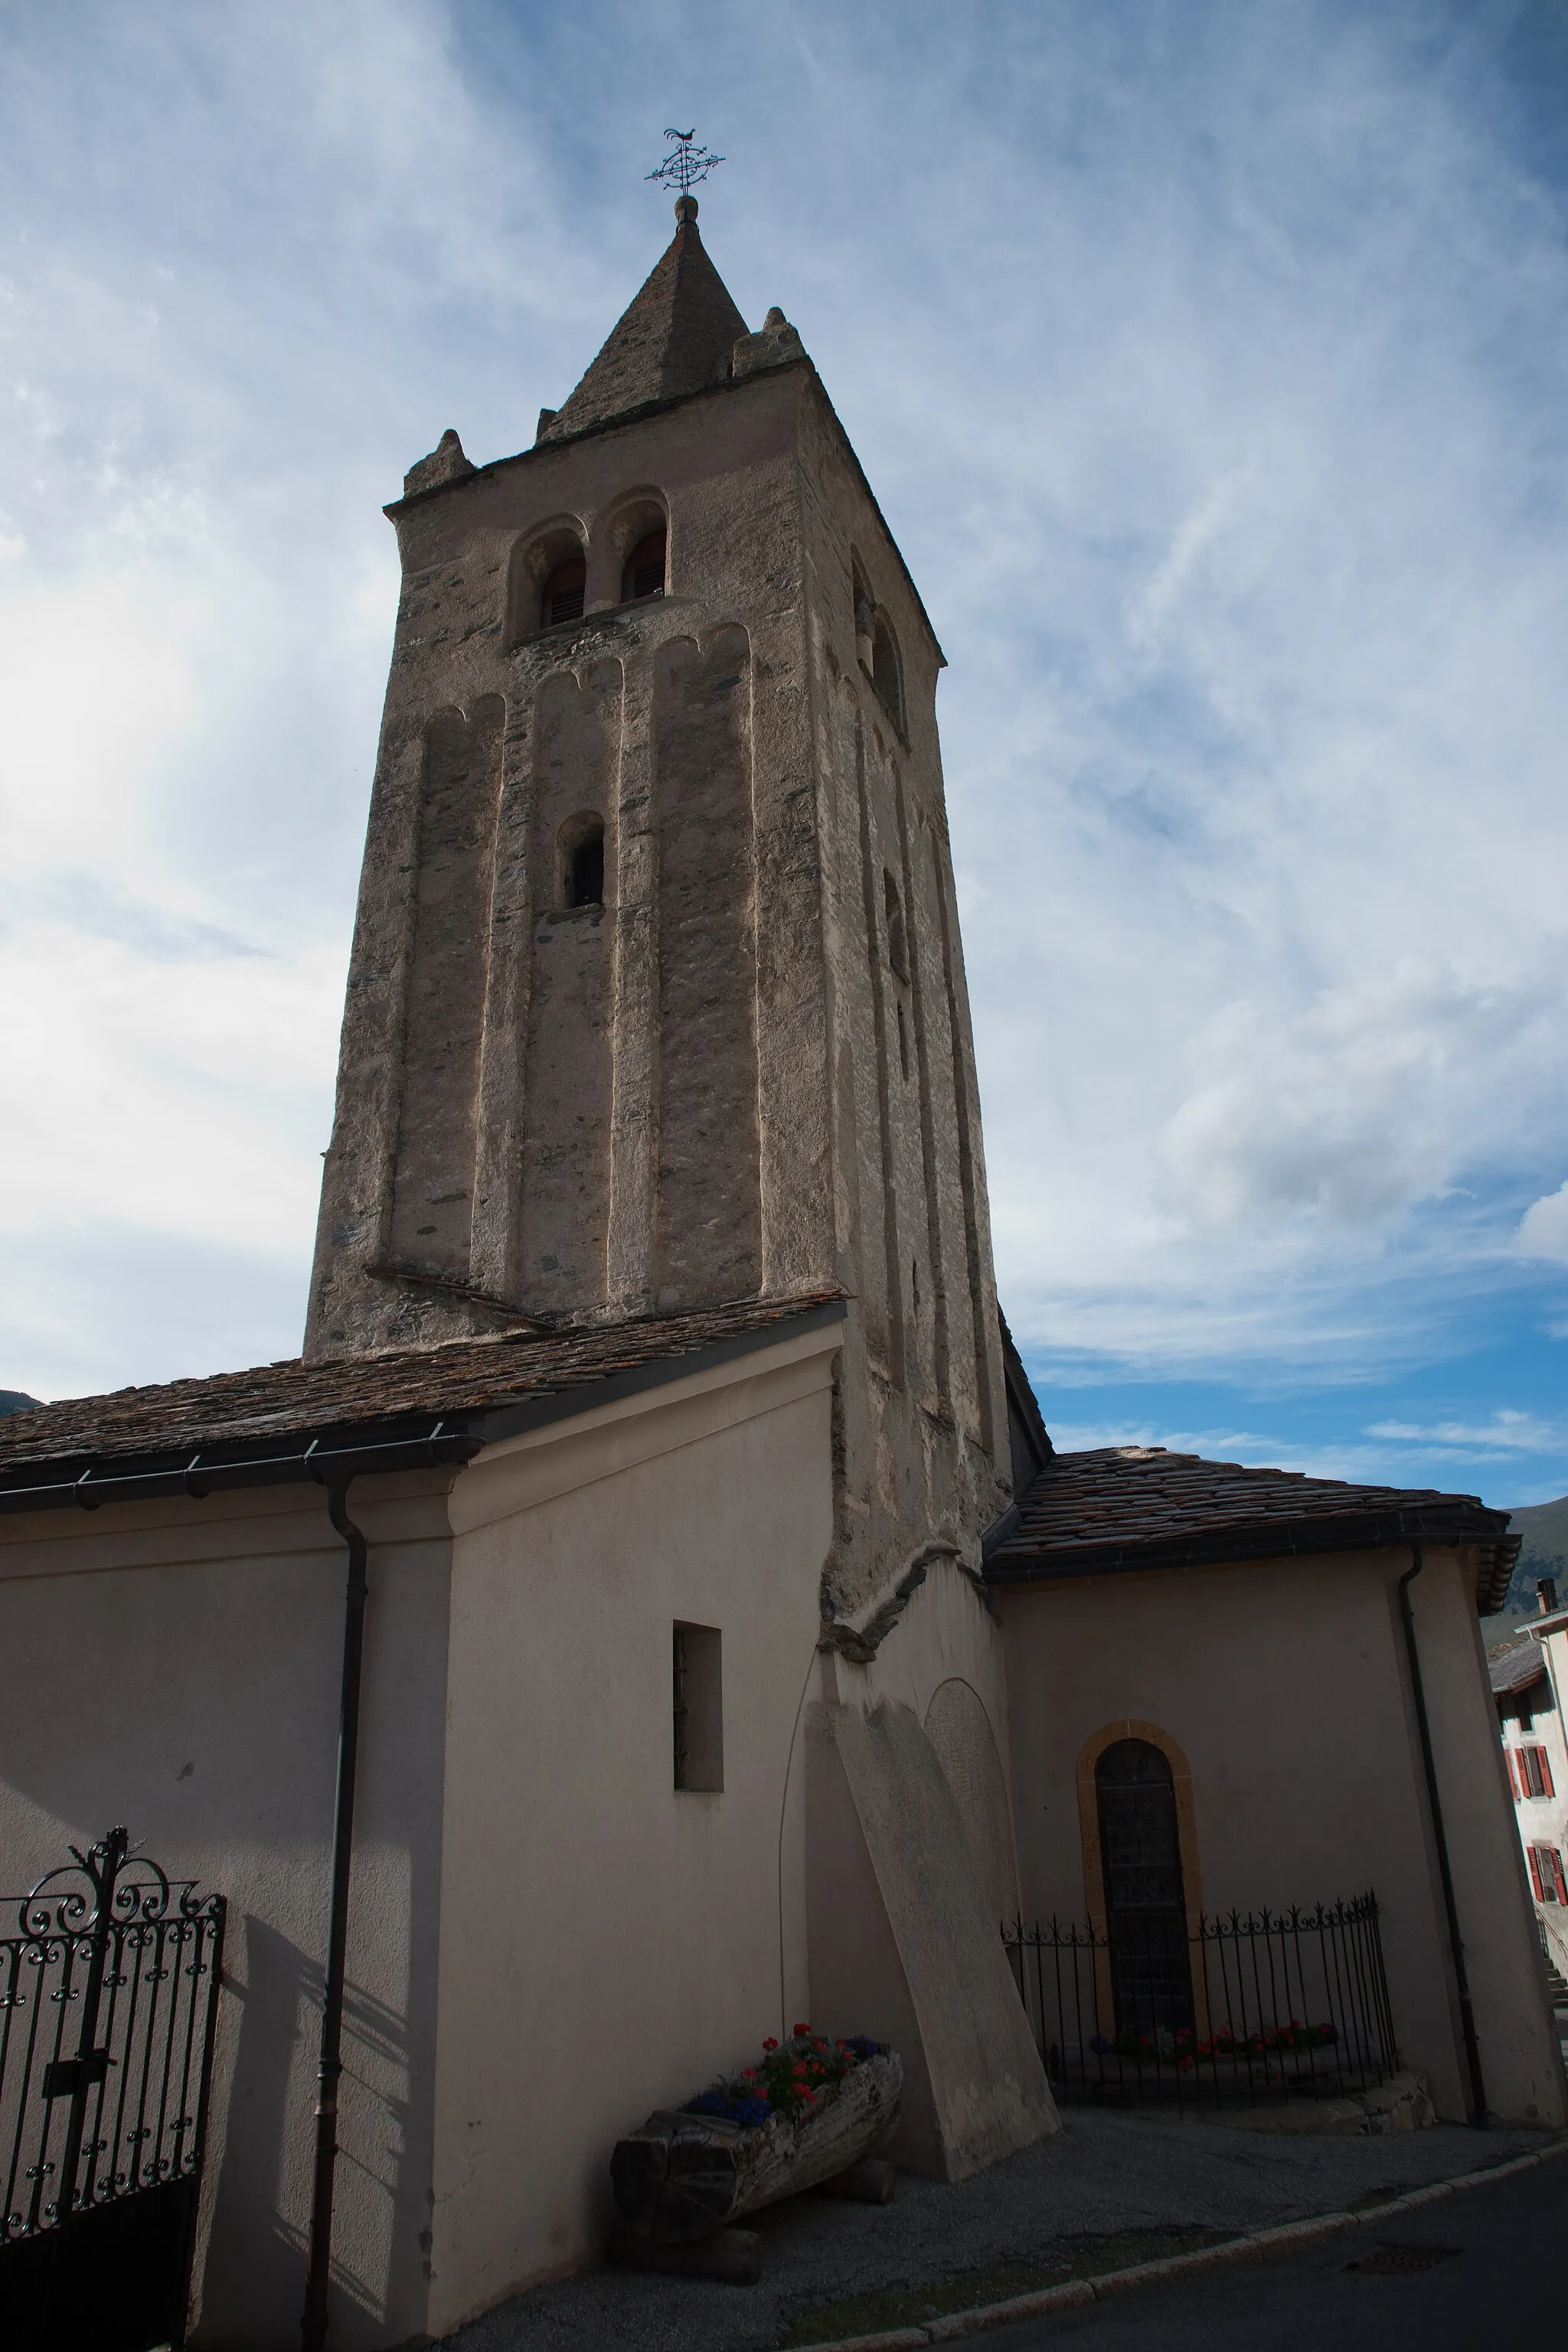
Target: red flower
(800, 2029)
(770, 2044)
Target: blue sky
(1209, 365)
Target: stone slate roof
(675, 338)
(394, 1411)
(1516, 1666)
(1136, 1506)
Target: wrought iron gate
(108, 2003)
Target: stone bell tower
(657, 997)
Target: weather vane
(685, 162)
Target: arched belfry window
(644, 568)
(563, 590)
(582, 862)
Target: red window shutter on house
(1547, 1788)
(1555, 1859)
(1535, 1874)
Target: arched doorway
(1145, 1904)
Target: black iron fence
(108, 2001)
(1253, 2006)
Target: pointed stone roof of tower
(675, 338)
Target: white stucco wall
(609, 1941)
(1520, 2058)
(175, 1666)
(591, 1941)
(1284, 1684)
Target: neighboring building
(1247, 1626)
(1527, 1680)
(737, 1646)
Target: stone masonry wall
(752, 1068)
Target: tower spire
(679, 333)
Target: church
(651, 1610)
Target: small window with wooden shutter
(1532, 1856)
(1559, 1883)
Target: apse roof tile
(232, 1417)
(1131, 1506)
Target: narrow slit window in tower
(563, 593)
(885, 673)
(644, 574)
(584, 866)
(898, 946)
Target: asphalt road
(1503, 2283)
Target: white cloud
(1388, 1453)
(1543, 1228)
(1216, 405)
(1507, 1432)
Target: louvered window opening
(644, 574)
(563, 593)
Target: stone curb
(1253, 2246)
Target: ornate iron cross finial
(685, 162)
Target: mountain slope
(1544, 1527)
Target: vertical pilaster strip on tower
(385, 978)
(354, 1225)
(890, 1256)
(971, 1176)
(493, 1250)
(633, 1000)
(918, 948)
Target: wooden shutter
(1546, 1788)
(1555, 1859)
(1529, 1856)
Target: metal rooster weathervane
(685, 162)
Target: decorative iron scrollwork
(120, 1966)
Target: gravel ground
(1103, 2175)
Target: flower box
(810, 2111)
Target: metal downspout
(1456, 1943)
(318, 2267)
